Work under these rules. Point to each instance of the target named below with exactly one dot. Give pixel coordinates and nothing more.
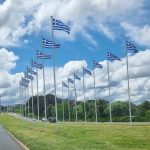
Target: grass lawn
(80, 136)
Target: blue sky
(96, 26)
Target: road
(7, 142)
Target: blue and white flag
(35, 64)
(41, 55)
(49, 44)
(85, 71)
(70, 80)
(111, 56)
(59, 25)
(64, 84)
(131, 47)
(97, 65)
(29, 70)
(28, 76)
(76, 77)
(26, 81)
(23, 84)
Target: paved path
(7, 142)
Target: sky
(97, 26)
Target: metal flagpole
(20, 100)
(37, 90)
(32, 98)
(75, 92)
(68, 103)
(130, 114)
(84, 98)
(109, 91)
(44, 84)
(63, 100)
(25, 101)
(28, 99)
(54, 72)
(95, 96)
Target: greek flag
(49, 44)
(64, 84)
(28, 76)
(131, 47)
(35, 64)
(29, 70)
(76, 77)
(70, 80)
(23, 84)
(97, 65)
(59, 25)
(42, 55)
(26, 81)
(111, 56)
(85, 71)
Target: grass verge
(80, 136)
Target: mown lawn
(80, 136)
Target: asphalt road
(7, 142)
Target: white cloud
(138, 70)
(140, 35)
(16, 20)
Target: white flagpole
(63, 108)
(68, 103)
(44, 84)
(95, 96)
(130, 113)
(32, 98)
(37, 89)
(109, 92)
(28, 99)
(63, 100)
(25, 102)
(75, 92)
(32, 93)
(84, 99)
(54, 72)
(20, 100)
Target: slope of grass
(80, 136)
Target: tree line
(120, 109)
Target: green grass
(72, 136)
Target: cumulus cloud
(140, 35)
(8, 82)
(16, 20)
(138, 71)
